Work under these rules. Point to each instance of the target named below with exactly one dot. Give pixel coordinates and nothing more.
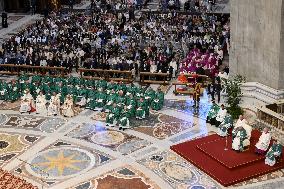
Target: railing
(12, 69)
(160, 78)
(270, 118)
(115, 75)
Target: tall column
(1, 6)
(256, 41)
(257, 45)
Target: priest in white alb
(241, 134)
(54, 105)
(241, 122)
(41, 104)
(221, 115)
(263, 142)
(27, 102)
(67, 107)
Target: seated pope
(263, 142)
(241, 134)
(273, 153)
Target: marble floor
(82, 153)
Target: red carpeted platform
(244, 165)
(231, 158)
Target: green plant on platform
(234, 95)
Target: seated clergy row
(241, 134)
(39, 106)
(62, 94)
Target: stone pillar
(1, 6)
(257, 41)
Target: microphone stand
(226, 144)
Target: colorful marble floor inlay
(13, 144)
(186, 106)
(177, 172)
(157, 125)
(108, 137)
(82, 153)
(270, 176)
(29, 122)
(161, 126)
(61, 161)
(125, 177)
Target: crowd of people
(188, 5)
(53, 96)
(109, 40)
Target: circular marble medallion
(61, 163)
(108, 137)
(131, 146)
(83, 130)
(178, 172)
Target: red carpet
(231, 158)
(214, 166)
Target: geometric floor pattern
(82, 153)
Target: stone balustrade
(271, 116)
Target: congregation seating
(11, 69)
(162, 81)
(115, 75)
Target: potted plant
(234, 94)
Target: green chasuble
(158, 101)
(101, 97)
(124, 119)
(36, 79)
(120, 101)
(3, 89)
(274, 151)
(131, 106)
(213, 111)
(113, 116)
(225, 125)
(111, 98)
(150, 95)
(242, 134)
(13, 92)
(91, 102)
(141, 110)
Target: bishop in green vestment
(158, 101)
(274, 152)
